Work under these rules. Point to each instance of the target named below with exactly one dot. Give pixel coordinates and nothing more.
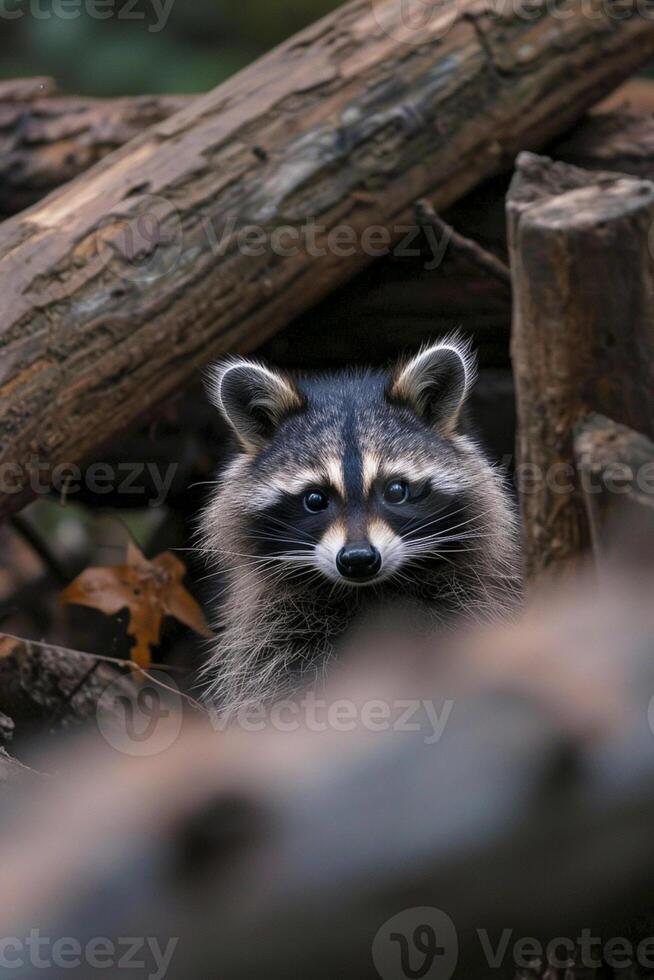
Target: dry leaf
(150, 590)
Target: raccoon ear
(436, 383)
(253, 399)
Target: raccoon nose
(358, 561)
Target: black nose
(358, 561)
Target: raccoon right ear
(253, 399)
(436, 382)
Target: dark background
(202, 42)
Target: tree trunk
(583, 338)
(347, 124)
(47, 139)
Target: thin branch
(426, 215)
(108, 660)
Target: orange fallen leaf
(149, 590)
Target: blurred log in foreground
(346, 124)
(583, 340)
(280, 853)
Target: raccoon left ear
(436, 383)
(253, 399)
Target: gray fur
(285, 608)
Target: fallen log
(46, 688)
(346, 124)
(583, 341)
(47, 139)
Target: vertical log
(616, 470)
(583, 333)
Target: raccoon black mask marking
(349, 490)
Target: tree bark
(47, 139)
(619, 141)
(582, 333)
(616, 466)
(348, 123)
(47, 688)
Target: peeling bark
(47, 139)
(343, 124)
(583, 339)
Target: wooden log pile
(341, 126)
(124, 269)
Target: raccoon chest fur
(350, 492)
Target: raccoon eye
(396, 492)
(315, 501)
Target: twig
(108, 660)
(485, 260)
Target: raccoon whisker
(423, 527)
(284, 543)
(444, 536)
(429, 523)
(438, 539)
(204, 483)
(289, 527)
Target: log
(312, 840)
(47, 139)
(583, 340)
(619, 141)
(348, 123)
(47, 688)
(616, 466)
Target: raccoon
(350, 491)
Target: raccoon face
(355, 478)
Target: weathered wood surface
(583, 332)
(346, 123)
(616, 467)
(46, 688)
(620, 141)
(47, 139)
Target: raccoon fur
(350, 491)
